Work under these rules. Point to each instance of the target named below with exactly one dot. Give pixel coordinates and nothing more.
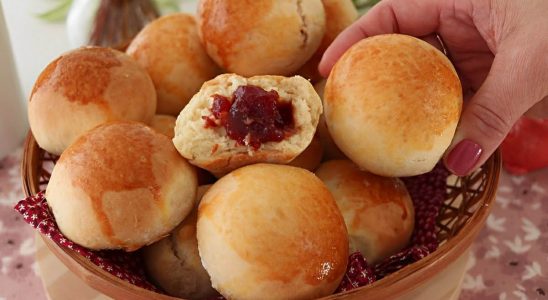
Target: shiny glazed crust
(267, 37)
(378, 211)
(171, 51)
(392, 103)
(272, 232)
(120, 186)
(213, 150)
(84, 88)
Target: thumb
(509, 90)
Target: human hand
(498, 47)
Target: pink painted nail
(463, 157)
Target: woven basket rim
(392, 286)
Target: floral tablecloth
(509, 260)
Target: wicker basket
(437, 276)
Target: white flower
(471, 261)
(473, 283)
(493, 252)
(533, 233)
(532, 271)
(517, 245)
(517, 179)
(27, 247)
(503, 201)
(496, 224)
(538, 188)
(520, 295)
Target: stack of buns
(137, 133)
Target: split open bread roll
(272, 232)
(266, 37)
(174, 262)
(378, 211)
(84, 88)
(392, 104)
(121, 185)
(210, 147)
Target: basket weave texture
(462, 215)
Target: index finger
(411, 17)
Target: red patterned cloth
(427, 192)
(358, 273)
(126, 266)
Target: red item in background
(526, 147)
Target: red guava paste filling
(252, 116)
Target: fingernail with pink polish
(463, 157)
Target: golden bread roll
(164, 124)
(311, 157)
(378, 211)
(174, 263)
(339, 14)
(272, 232)
(330, 149)
(392, 104)
(267, 37)
(120, 186)
(170, 49)
(84, 88)
(235, 121)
